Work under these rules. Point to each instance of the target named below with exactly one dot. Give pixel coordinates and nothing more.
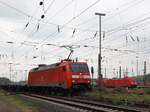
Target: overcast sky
(24, 35)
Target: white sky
(124, 19)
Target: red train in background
(123, 82)
(66, 75)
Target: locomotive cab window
(79, 67)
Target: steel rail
(120, 108)
(83, 104)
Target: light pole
(99, 55)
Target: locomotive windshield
(79, 68)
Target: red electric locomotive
(66, 75)
(124, 82)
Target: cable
(128, 25)
(45, 22)
(130, 6)
(59, 11)
(80, 13)
(50, 5)
(72, 19)
(107, 12)
(25, 14)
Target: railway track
(83, 105)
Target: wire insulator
(42, 17)
(41, 3)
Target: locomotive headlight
(75, 76)
(81, 76)
(86, 76)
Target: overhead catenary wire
(73, 19)
(113, 10)
(93, 33)
(107, 12)
(62, 9)
(142, 20)
(50, 5)
(21, 12)
(27, 14)
(59, 11)
(30, 17)
(125, 9)
(45, 11)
